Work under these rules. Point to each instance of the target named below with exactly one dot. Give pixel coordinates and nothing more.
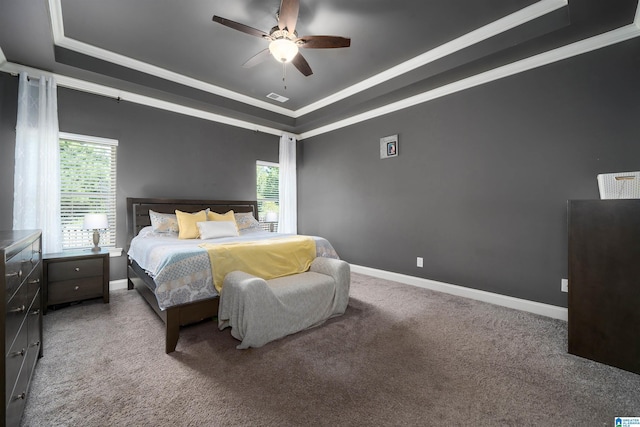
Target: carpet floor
(400, 355)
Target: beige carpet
(399, 356)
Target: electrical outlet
(564, 285)
(419, 262)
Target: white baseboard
(503, 300)
(118, 284)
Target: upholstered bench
(259, 311)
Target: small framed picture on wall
(389, 146)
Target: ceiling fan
(284, 40)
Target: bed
(189, 297)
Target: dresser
(20, 318)
(604, 282)
(73, 276)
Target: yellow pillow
(188, 224)
(213, 216)
(229, 216)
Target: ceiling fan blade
(288, 15)
(323, 42)
(240, 27)
(302, 65)
(257, 58)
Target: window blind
(87, 185)
(268, 193)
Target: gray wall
(160, 154)
(479, 188)
(8, 111)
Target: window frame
(82, 239)
(268, 226)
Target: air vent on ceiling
(277, 97)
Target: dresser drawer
(36, 252)
(17, 397)
(17, 308)
(23, 353)
(21, 265)
(15, 357)
(33, 282)
(34, 323)
(14, 275)
(31, 257)
(74, 269)
(21, 275)
(74, 290)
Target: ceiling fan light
(284, 50)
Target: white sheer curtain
(288, 220)
(36, 200)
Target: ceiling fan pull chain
(284, 74)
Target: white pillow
(217, 229)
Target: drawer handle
(34, 281)
(18, 353)
(36, 311)
(18, 309)
(35, 344)
(18, 274)
(77, 269)
(76, 288)
(20, 396)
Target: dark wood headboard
(138, 209)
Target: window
(268, 194)
(87, 185)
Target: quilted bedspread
(182, 270)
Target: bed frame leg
(172, 331)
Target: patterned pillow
(247, 223)
(163, 223)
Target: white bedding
(182, 270)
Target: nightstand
(73, 276)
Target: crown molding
(110, 92)
(105, 55)
(584, 46)
(502, 25)
(506, 23)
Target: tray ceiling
(173, 51)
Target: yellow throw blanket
(267, 259)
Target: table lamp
(271, 217)
(95, 222)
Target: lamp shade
(271, 217)
(284, 50)
(95, 221)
